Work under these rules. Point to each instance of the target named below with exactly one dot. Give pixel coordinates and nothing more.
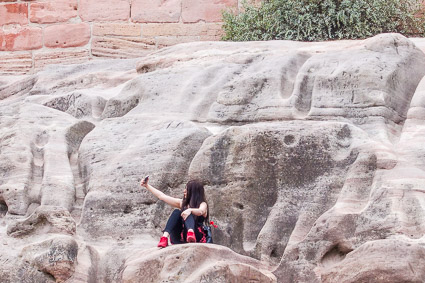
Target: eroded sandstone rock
(311, 153)
(56, 256)
(115, 203)
(380, 261)
(286, 174)
(202, 263)
(45, 219)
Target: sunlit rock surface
(312, 155)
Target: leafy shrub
(311, 20)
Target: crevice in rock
(74, 137)
(336, 254)
(37, 167)
(48, 275)
(303, 91)
(94, 268)
(289, 74)
(3, 208)
(238, 205)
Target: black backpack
(208, 234)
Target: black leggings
(177, 227)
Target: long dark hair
(195, 195)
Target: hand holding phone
(144, 181)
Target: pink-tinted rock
(67, 35)
(120, 29)
(156, 11)
(27, 38)
(121, 47)
(60, 57)
(380, 261)
(164, 41)
(45, 219)
(20, 63)
(205, 10)
(14, 14)
(179, 29)
(202, 263)
(53, 11)
(104, 10)
(56, 257)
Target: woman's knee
(177, 211)
(190, 216)
(190, 220)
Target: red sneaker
(190, 237)
(163, 242)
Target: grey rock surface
(312, 155)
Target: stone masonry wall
(35, 33)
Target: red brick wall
(34, 33)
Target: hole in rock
(344, 133)
(127, 209)
(146, 68)
(274, 253)
(335, 255)
(239, 205)
(289, 139)
(3, 208)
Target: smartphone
(146, 179)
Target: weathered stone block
(27, 38)
(164, 41)
(121, 47)
(14, 14)
(67, 35)
(20, 63)
(210, 38)
(156, 11)
(120, 29)
(63, 57)
(56, 257)
(53, 11)
(204, 10)
(111, 10)
(179, 29)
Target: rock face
(203, 263)
(390, 268)
(311, 154)
(42, 32)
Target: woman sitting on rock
(186, 222)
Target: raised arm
(174, 202)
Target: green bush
(311, 20)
